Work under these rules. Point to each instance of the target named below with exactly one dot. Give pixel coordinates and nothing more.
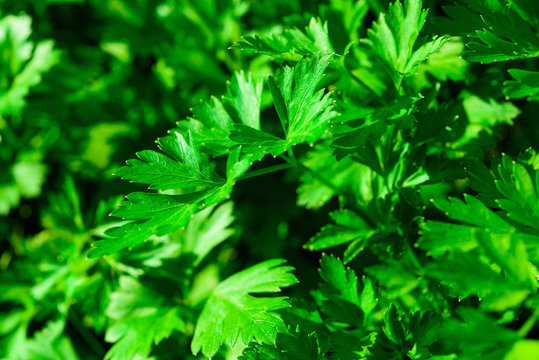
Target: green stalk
(267, 170)
(291, 162)
(313, 173)
(529, 324)
(375, 96)
(86, 334)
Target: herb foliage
(346, 179)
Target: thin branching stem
(268, 170)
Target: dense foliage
(342, 179)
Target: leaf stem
(313, 173)
(291, 162)
(86, 334)
(268, 170)
(363, 84)
(529, 324)
(292, 155)
(412, 255)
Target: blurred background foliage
(84, 84)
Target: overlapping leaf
(341, 299)
(294, 345)
(22, 63)
(303, 108)
(480, 335)
(524, 85)
(511, 186)
(506, 36)
(232, 313)
(483, 244)
(142, 319)
(394, 38)
(349, 228)
(317, 190)
(213, 121)
(183, 168)
(291, 43)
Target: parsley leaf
(304, 110)
(394, 38)
(506, 37)
(212, 121)
(142, 319)
(231, 313)
(349, 228)
(159, 214)
(342, 301)
(291, 43)
(184, 168)
(524, 85)
(27, 62)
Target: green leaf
(154, 214)
(339, 282)
(394, 38)
(447, 63)
(393, 326)
(159, 214)
(278, 102)
(313, 193)
(9, 197)
(308, 110)
(484, 116)
(362, 135)
(349, 227)
(527, 9)
(397, 279)
(510, 186)
(184, 168)
(291, 43)
(50, 342)
(22, 62)
(340, 298)
(256, 144)
(523, 349)
(207, 229)
(232, 313)
(467, 276)
(304, 110)
(481, 230)
(211, 125)
(506, 36)
(294, 345)
(213, 121)
(368, 300)
(299, 345)
(244, 98)
(477, 335)
(257, 351)
(140, 319)
(525, 85)
(29, 177)
(25, 180)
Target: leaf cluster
(346, 179)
